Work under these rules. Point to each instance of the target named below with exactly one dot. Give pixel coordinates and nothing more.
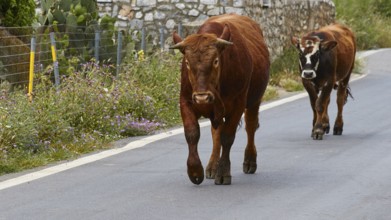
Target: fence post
(143, 46)
(180, 29)
(31, 72)
(97, 40)
(55, 62)
(161, 39)
(119, 48)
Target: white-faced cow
(225, 70)
(326, 62)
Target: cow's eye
(187, 64)
(216, 62)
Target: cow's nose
(203, 97)
(308, 74)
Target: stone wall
(286, 18)
(279, 19)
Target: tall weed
(90, 108)
(369, 19)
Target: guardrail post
(119, 49)
(97, 40)
(55, 62)
(161, 30)
(143, 44)
(31, 71)
(180, 29)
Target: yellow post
(31, 73)
(54, 56)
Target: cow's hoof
(196, 179)
(317, 137)
(210, 173)
(337, 131)
(196, 174)
(318, 133)
(223, 172)
(326, 128)
(249, 167)
(223, 180)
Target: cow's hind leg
(342, 96)
(250, 154)
(210, 170)
(325, 119)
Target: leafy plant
(88, 110)
(17, 13)
(372, 30)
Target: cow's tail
(348, 94)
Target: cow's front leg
(313, 95)
(321, 111)
(215, 156)
(195, 171)
(228, 131)
(223, 171)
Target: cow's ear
(328, 45)
(178, 43)
(176, 38)
(295, 42)
(226, 35)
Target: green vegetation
(369, 19)
(17, 13)
(284, 71)
(90, 109)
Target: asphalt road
(341, 177)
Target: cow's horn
(177, 46)
(223, 42)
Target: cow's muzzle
(308, 74)
(203, 97)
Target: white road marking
(139, 143)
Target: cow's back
(248, 38)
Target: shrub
(285, 70)
(89, 109)
(373, 29)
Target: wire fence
(25, 51)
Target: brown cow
(326, 62)
(225, 71)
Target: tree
(17, 13)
